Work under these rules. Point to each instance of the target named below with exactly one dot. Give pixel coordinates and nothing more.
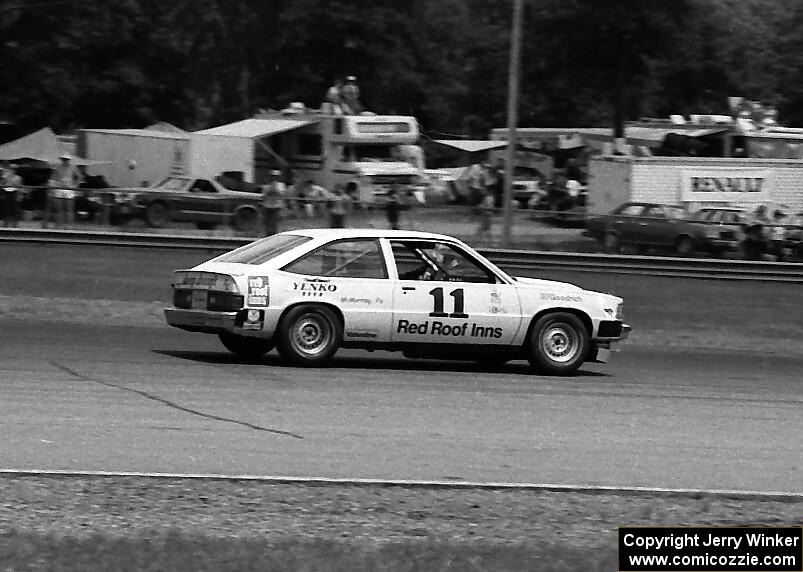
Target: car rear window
(263, 250)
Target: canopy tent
(242, 146)
(256, 128)
(42, 146)
(471, 145)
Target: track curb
(784, 496)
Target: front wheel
(244, 347)
(309, 335)
(558, 343)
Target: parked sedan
(651, 225)
(202, 201)
(725, 225)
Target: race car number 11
(437, 312)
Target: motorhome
(364, 154)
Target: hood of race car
(548, 284)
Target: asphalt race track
(83, 398)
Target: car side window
(438, 262)
(655, 212)
(343, 258)
(201, 186)
(631, 210)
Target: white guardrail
(705, 268)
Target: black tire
(611, 243)
(245, 220)
(685, 246)
(309, 335)
(244, 347)
(558, 344)
(157, 215)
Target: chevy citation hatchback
(310, 292)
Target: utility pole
(512, 120)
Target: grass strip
(135, 523)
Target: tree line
(197, 63)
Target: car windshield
(263, 250)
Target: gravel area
(137, 506)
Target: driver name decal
(438, 328)
(312, 289)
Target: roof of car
(335, 233)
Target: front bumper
(612, 330)
(201, 320)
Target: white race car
(310, 292)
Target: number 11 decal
(437, 312)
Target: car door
(444, 295)
(626, 223)
(350, 274)
(200, 202)
(656, 228)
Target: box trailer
(134, 157)
(694, 182)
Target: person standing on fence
(273, 193)
(351, 96)
(61, 194)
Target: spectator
(338, 207)
(496, 181)
(485, 210)
(351, 96)
(273, 193)
(777, 235)
(11, 183)
(313, 197)
(61, 194)
(393, 207)
(476, 183)
(754, 243)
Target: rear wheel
(245, 220)
(309, 335)
(685, 246)
(558, 343)
(156, 216)
(245, 347)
